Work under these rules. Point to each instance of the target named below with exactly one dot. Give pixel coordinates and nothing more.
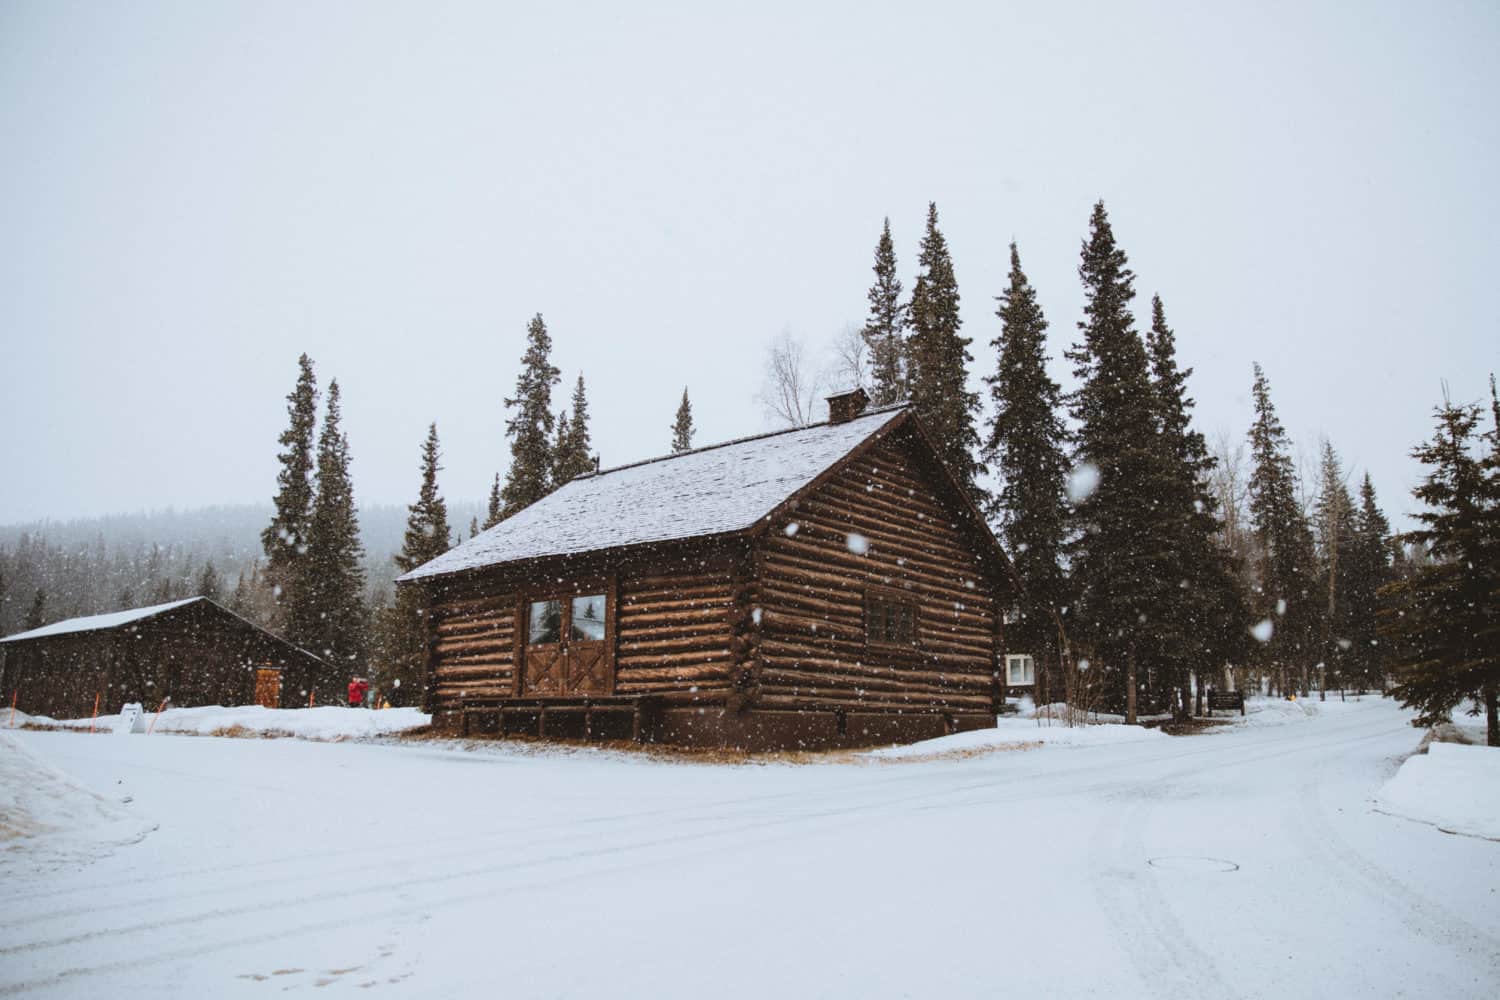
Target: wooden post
(1130, 686)
(13, 695)
(94, 718)
(159, 709)
(310, 695)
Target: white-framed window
(1020, 670)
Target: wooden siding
(811, 649)
(672, 618)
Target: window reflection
(545, 622)
(588, 618)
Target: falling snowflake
(1262, 631)
(1082, 482)
(1281, 606)
(791, 529)
(857, 543)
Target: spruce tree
(1370, 570)
(572, 456)
(884, 331)
(209, 584)
(1445, 619)
(530, 429)
(1026, 445)
(938, 358)
(496, 507)
(1288, 598)
(36, 617)
(1203, 624)
(1336, 524)
(682, 427)
(329, 618)
(1122, 552)
(427, 533)
(398, 627)
(284, 540)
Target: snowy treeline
(95, 565)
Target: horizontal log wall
(673, 635)
(472, 648)
(811, 649)
(673, 620)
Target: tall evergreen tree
(398, 627)
(330, 616)
(496, 507)
(1288, 590)
(1121, 554)
(1202, 625)
(36, 616)
(530, 429)
(938, 358)
(209, 583)
(1336, 523)
(1446, 617)
(884, 331)
(285, 539)
(427, 533)
(572, 456)
(1370, 570)
(682, 427)
(1026, 445)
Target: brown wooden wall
(673, 618)
(811, 648)
(197, 655)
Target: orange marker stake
(13, 696)
(156, 716)
(95, 717)
(310, 697)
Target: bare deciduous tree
(850, 367)
(790, 390)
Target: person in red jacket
(357, 688)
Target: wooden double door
(568, 643)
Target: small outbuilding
(193, 651)
(830, 585)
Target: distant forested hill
(93, 565)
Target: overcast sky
(192, 194)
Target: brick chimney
(845, 406)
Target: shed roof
(94, 623)
(720, 489)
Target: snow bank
(1012, 733)
(323, 723)
(52, 819)
(1455, 788)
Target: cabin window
(890, 619)
(587, 621)
(1020, 670)
(545, 625)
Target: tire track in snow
(1420, 914)
(867, 796)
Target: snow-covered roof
(720, 489)
(93, 623)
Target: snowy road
(1246, 863)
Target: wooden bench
(1227, 700)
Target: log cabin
(193, 651)
(826, 586)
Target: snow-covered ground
(1455, 788)
(1252, 862)
(1015, 734)
(322, 723)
